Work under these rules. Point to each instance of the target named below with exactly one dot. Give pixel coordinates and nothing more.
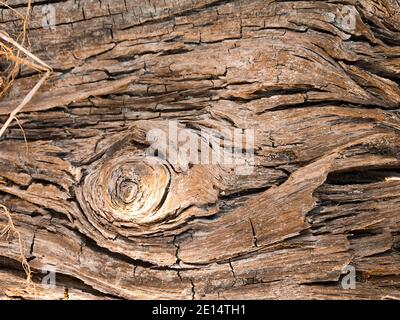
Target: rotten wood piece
(316, 81)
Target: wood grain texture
(322, 99)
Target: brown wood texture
(322, 100)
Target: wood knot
(129, 200)
(126, 188)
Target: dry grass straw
(9, 230)
(7, 52)
(12, 51)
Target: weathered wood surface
(323, 100)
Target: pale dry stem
(9, 230)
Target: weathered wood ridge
(322, 98)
